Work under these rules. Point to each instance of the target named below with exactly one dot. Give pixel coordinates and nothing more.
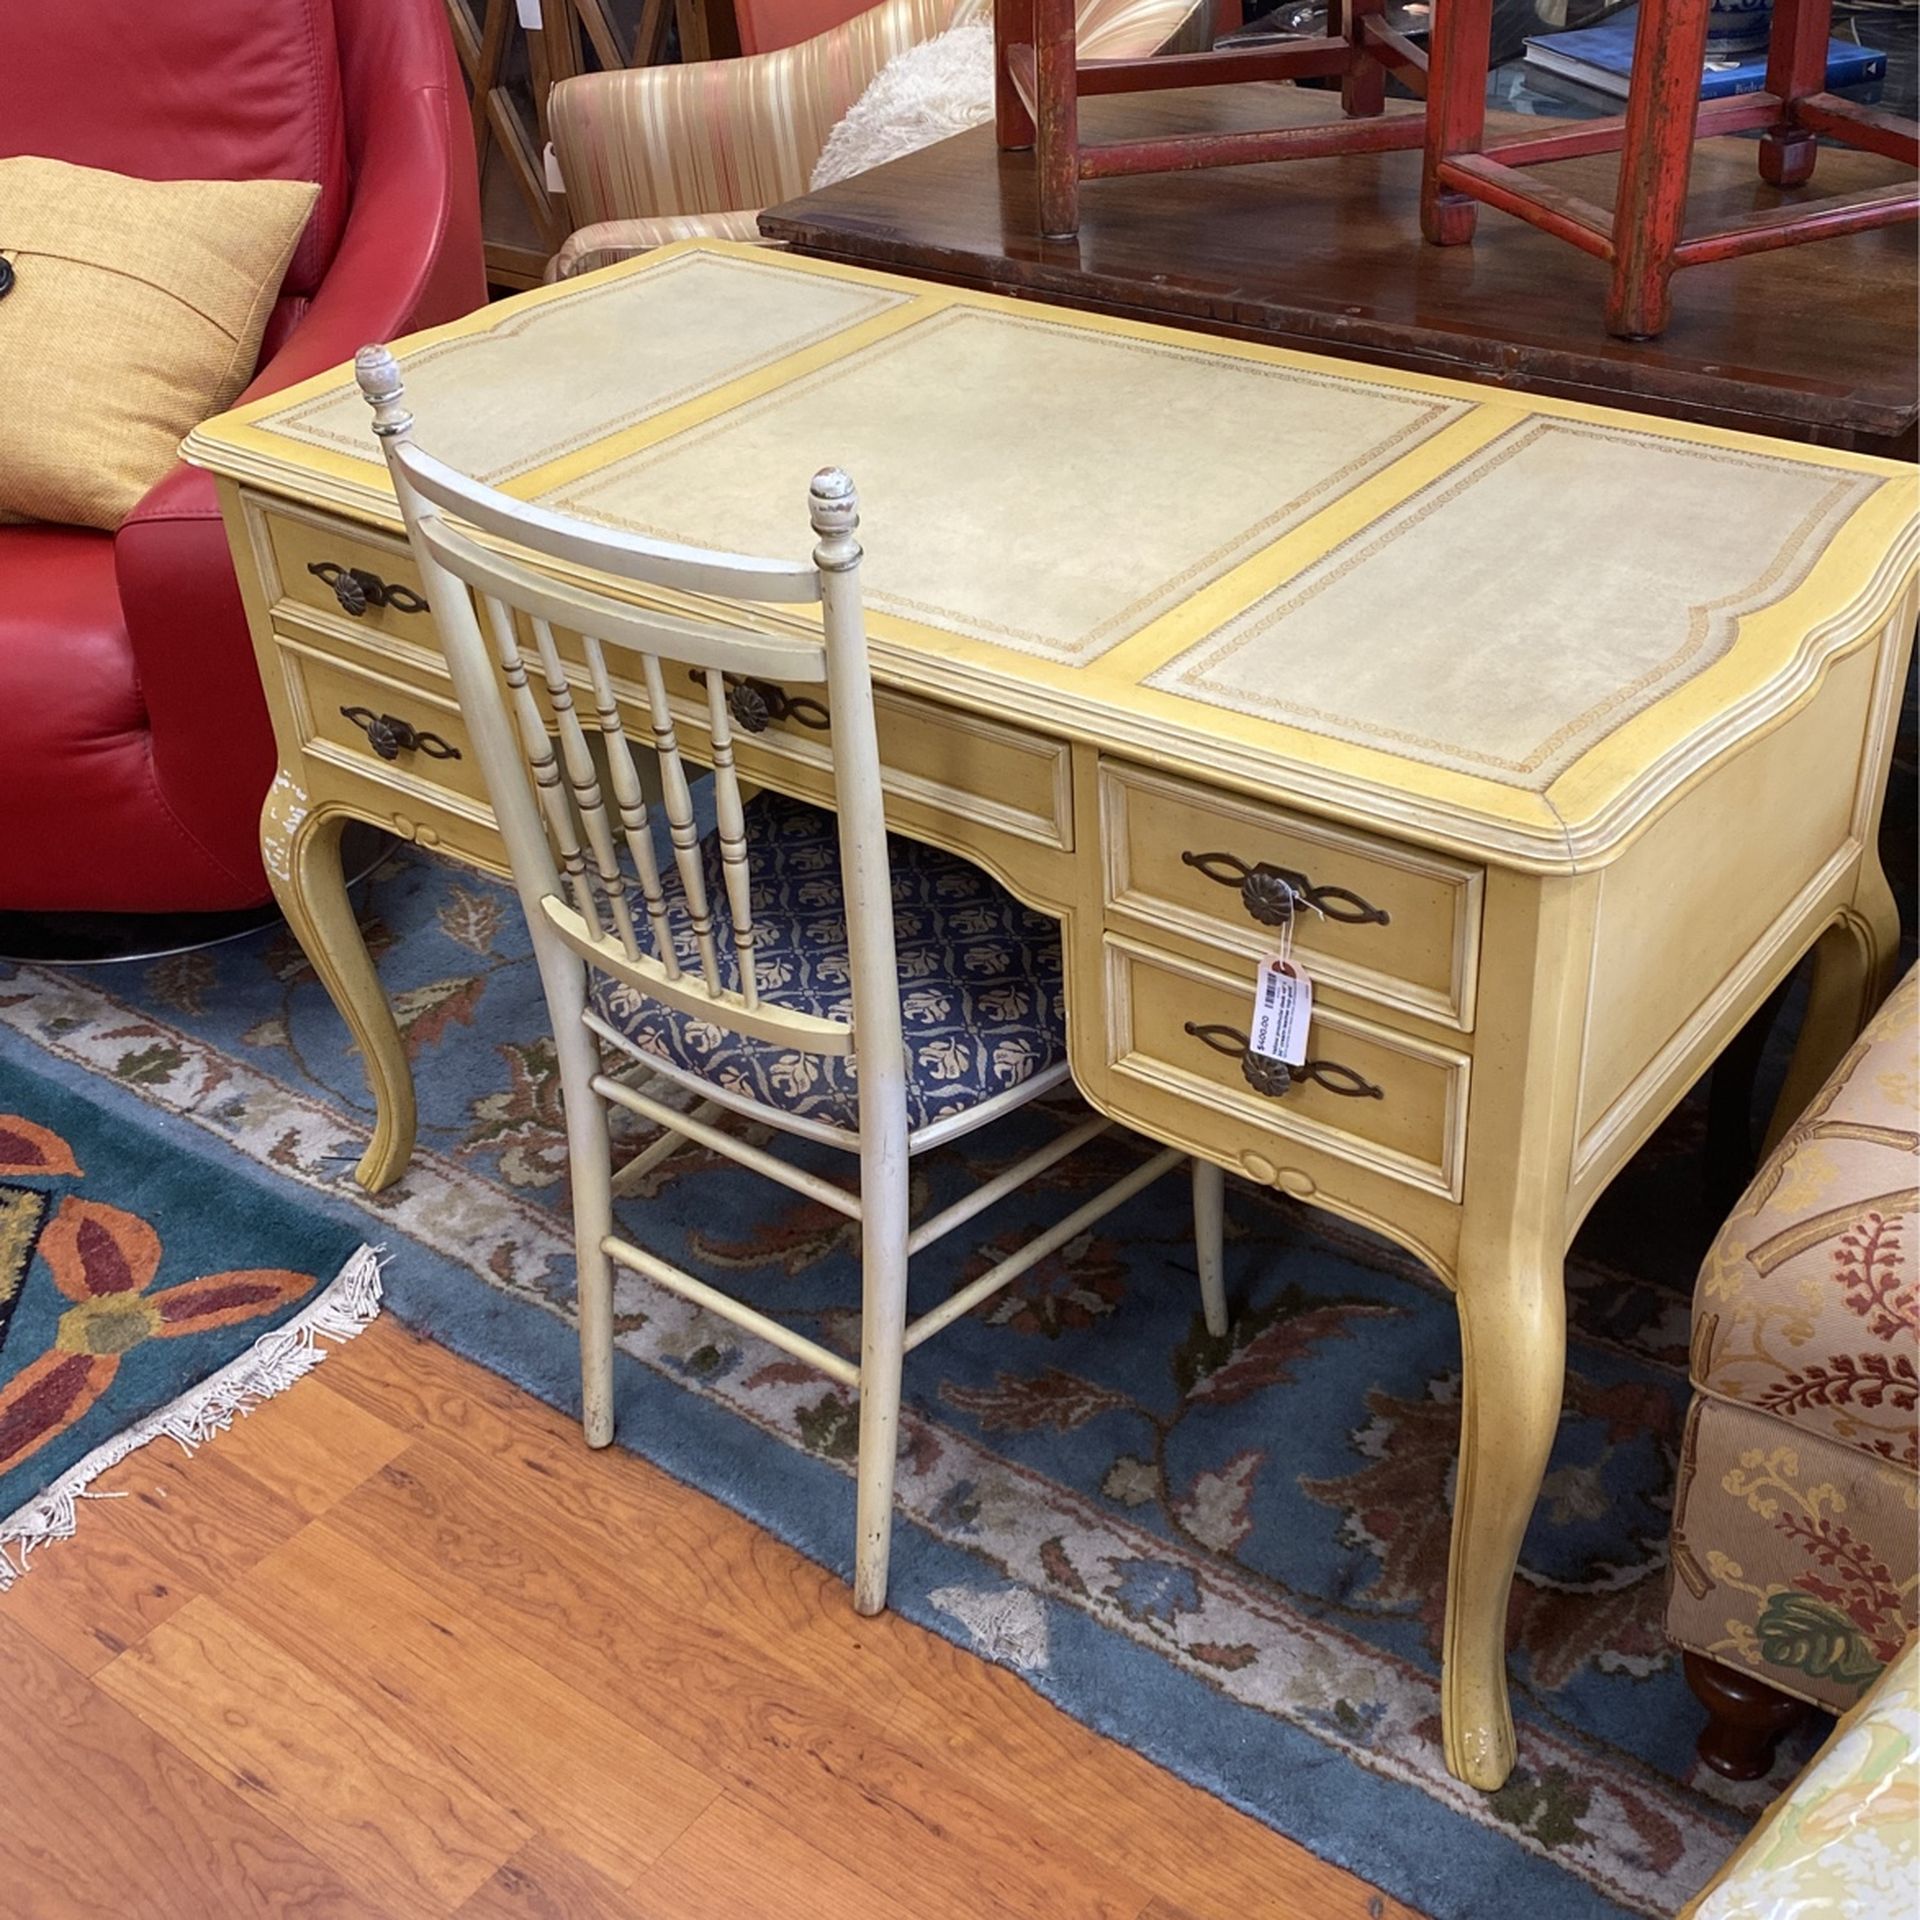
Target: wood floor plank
(397, 1824)
(544, 1882)
(1215, 1861)
(314, 1445)
(202, 1518)
(574, 1770)
(735, 1863)
(92, 1598)
(100, 1816)
(801, 1752)
(416, 1385)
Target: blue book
(1602, 57)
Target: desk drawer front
(389, 729)
(1380, 1099)
(955, 765)
(1400, 926)
(357, 577)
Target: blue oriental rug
(152, 1285)
(1227, 1554)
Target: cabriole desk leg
(301, 852)
(1509, 1283)
(1513, 1344)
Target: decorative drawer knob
(356, 589)
(390, 736)
(1274, 1078)
(753, 703)
(1271, 894)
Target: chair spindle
(678, 800)
(584, 778)
(541, 763)
(730, 818)
(628, 797)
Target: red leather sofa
(134, 743)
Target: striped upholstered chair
(653, 154)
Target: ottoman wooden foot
(1745, 1718)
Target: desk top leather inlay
(1121, 474)
(1510, 626)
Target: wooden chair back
(589, 874)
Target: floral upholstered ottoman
(1794, 1560)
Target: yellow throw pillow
(136, 311)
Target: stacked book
(1602, 57)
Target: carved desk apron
(1578, 724)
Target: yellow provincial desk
(1578, 723)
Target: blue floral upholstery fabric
(981, 1005)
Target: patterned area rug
(1227, 1554)
(152, 1285)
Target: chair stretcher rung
(1037, 1249)
(743, 1151)
(938, 1225)
(675, 1280)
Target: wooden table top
(1512, 626)
(1815, 342)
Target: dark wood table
(1815, 343)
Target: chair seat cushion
(1808, 1305)
(981, 1003)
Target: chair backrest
(577, 864)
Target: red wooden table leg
(1456, 111)
(1656, 163)
(1056, 118)
(1363, 87)
(1012, 27)
(1796, 66)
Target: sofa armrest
(610, 241)
(721, 135)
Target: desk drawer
(947, 763)
(358, 577)
(1403, 929)
(388, 729)
(1384, 1099)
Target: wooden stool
(1039, 80)
(1645, 236)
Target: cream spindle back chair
(659, 953)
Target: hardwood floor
(399, 1645)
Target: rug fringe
(272, 1364)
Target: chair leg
(1209, 1229)
(1656, 163)
(883, 1321)
(590, 1163)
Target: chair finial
(835, 507)
(378, 373)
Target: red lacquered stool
(1645, 237)
(1039, 81)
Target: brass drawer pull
(1274, 1077)
(753, 703)
(356, 589)
(1269, 893)
(390, 736)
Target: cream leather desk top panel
(1505, 623)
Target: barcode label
(1282, 1007)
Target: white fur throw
(931, 92)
